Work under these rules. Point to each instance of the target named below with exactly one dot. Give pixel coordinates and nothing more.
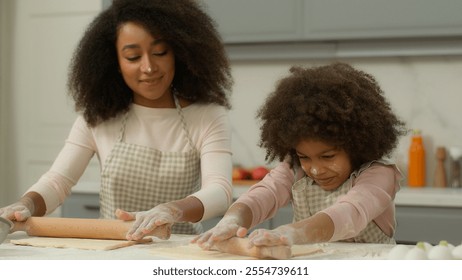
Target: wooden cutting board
(77, 243)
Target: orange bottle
(416, 167)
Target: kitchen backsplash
(426, 92)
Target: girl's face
(327, 165)
(147, 65)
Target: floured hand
(283, 235)
(226, 228)
(147, 221)
(16, 212)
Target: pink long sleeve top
(370, 199)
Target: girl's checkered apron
(137, 178)
(309, 198)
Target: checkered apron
(309, 198)
(137, 178)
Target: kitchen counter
(429, 196)
(177, 247)
(407, 196)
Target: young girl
(331, 128)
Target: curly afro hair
(335, 104)
(202, 71)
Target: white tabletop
(174, 248)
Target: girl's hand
(146, 221)
(226, 228)
(283, 235)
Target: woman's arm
(55, 185)
(214, 145)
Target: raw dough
(194, 252)
(77, 243)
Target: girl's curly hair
(202, 71)
(335, 104)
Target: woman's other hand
(146, 222)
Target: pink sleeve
(273, 192)
(371, 198)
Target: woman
(151, 81)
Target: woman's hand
(18, 211)
(147, 221)
(226, 228)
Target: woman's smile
(147, 64)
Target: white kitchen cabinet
(379, 19)
(250, 21)
(337, 29)
(256, 21)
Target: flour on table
(77, 243)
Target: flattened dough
(77, 243)
(194, 252)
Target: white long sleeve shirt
(158, 128)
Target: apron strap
(183, 122)
(122, 128)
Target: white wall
(426, 92)
(5, 36)
(38, 112)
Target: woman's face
(327, 165)
(147, 65)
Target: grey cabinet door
(369, 19)
(273, 21)
(430, 224)
(244, 21)
(81, 205)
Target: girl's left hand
(147, 221)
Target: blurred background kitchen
(412, 47)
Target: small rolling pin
(81, 228)
(239, 246)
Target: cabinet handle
(91, 207)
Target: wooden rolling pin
(239, 246)
(81, 228)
